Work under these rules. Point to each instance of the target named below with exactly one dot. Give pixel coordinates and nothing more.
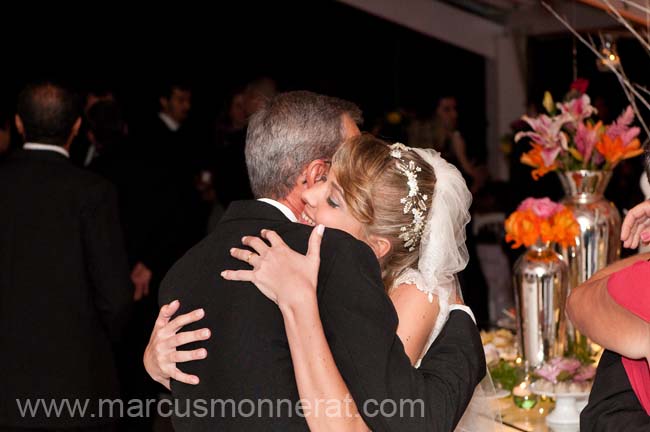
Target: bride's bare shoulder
(409, 292)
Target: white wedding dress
(442, 255)
(480, 415)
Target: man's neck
(296, 206)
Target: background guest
(64, 282)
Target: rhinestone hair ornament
(414, 202)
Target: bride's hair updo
(373, 187)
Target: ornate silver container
(541, 285)
(598, 243)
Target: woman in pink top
(613, 309)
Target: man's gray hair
(289, 132)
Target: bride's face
(324, 204)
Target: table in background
(519, 420)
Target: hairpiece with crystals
(414, 202)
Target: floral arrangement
(567, 139)
(498, 345)
(501, 358)
(564, 375)
(540, 219)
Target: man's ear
(315, 172)
(20, 126)
(164, 103)
(379, 245)
(75, 127)
(73, 133)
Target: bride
(411, 207)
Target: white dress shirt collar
(172, 124)
(46, 147)
(283, 208)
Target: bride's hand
(283, 275)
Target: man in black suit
(289, 145)
(171, 216)
(64, 284)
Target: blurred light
(609, 57)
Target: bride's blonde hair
(373, 188)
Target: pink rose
(542, 207)
(569, 365)
(559, 369)
(585, 373)
(548, 372)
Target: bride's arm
(417, 317)
(319, 381)
(318, 378)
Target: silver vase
(541, 285)
(598, 243)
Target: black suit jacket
(64, 286)
(613, 406)
(249, 356)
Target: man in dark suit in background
(65, 293)
(171, 216)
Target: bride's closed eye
(332, 203)
(335, 196)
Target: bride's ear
(315, 171)
(379, 245)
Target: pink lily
(547, 132)
(586, 138)
(577, 109)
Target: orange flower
(535, 159)
(524, 227)
(614, 151)
(546, 231)
(565, 228)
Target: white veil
(443, 254)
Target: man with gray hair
(248, 382)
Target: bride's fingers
(272, 237)
(256, 243)
(186, 356)
(244, 255)
(166, 312)
(238, 275)
(314, 242)
(185, 319)
(186, 337)
(183, 377)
